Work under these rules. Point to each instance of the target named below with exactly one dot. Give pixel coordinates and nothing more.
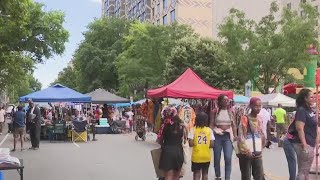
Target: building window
(303, 1)
(152, 12)
(134, 10)
(289, 5)
(165, 20)
(165, 4)
(144, 16)
(140, 5)
(158, 8)
(173, 15)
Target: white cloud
(96, 1)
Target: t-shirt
(2, 114)
(280, 115)
(130, 114)
(201, 137)
(265, 117)
(310, 124)
(19, 119)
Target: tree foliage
(26, 28)
(28, 35)
(264, 51)
(206, 57)
(146, 50)
(27, 84)
(96, 55)
(68, 77)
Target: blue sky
(79, 13)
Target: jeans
(305, 160)
(223, 142)
(290, 153)
(251, 164)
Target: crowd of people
(247, 133)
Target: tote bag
(186, 156)
(156, 154)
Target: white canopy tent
(277, 98)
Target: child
(201, 138)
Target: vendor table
(14, 167)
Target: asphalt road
(112, 157)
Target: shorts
(199, 166)
(19, 131)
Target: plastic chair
(59, 130)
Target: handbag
(256, 148)
(186, 157)
(156, 154)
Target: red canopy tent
(291, 88)
(189, 86)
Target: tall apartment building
(138, 9)
(254, 9)
(196, 13)
(204, 16)
(163, 12)
(130, 9)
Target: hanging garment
(157, 123)
(188, 116)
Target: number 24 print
(202, 139)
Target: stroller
(140, 128)
(117, 127)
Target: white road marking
(76, 144)
(4, 139)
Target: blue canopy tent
(56, 93)
(241, 99)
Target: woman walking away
(251, 141)
(201, 138)
(223, 125)
(306, 125)
(170, 137)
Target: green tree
(96, 55)
(206, 57)
(146, 50)
(25, 27)
(68, 77)
(264, 51)
(27, 84)
(28, 35)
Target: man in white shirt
(266, 118)
(2, 118)
(130, 119)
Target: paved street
(113, 157)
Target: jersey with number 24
(201, 152)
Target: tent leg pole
(317, 145)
